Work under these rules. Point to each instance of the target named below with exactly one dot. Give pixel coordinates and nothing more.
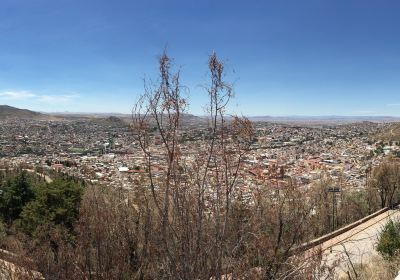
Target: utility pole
(334, 191)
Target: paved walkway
(357, 244)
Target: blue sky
(311, 57)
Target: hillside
(392, 133)
(110, 121)
(12, 112)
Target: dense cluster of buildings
(104, 151)
(344, 152)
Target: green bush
(30, 205)
(55, 204)
(389, 240)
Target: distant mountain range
(12, 112)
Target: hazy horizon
(110, 113)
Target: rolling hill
(392, 133)
(15, 113)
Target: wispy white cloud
(16, 95)
(27, 95)
(393, 104)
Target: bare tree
(193, 194)
(386, 182)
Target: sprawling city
(199, 140)
(103, 150)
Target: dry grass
(376, 269)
